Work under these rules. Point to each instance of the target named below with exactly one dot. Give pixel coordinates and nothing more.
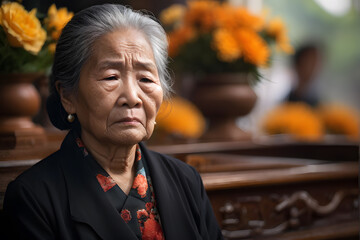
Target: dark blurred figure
(306, 63)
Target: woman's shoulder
(46, 170)
(36, 185)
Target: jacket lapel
(87, 201)
(172, 203)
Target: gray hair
(75, 43)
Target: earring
(154, 123)
(70, 118)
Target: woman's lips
(129, 120)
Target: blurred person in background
(306, 63)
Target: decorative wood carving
(275, 214)
(313, 204)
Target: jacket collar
(176, 218)
(87, 202)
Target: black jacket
(58, 198)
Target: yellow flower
(56, 20)
(22, 28)
(172, 14)
(296, 119)
(52, 47)
(179, 116)
(339, 119)
(226, 45)
(277, 29)
(1, 16)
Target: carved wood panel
(272, 211)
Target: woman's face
(119, 89)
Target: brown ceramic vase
(223, 98)
(19, 102)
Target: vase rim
(20, 77)
(226, 77)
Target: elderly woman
(108, 81)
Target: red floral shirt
(138, 208)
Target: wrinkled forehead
(121, 50)
(123, 44)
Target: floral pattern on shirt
(81, 145)
(140, 183)
(151, 230)
(125, 215)
(138, 208)
(105, 182)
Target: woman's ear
(67, 100)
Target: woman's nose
(129, 94)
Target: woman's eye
(110, 78)
(145, 80)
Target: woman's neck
(117, 161)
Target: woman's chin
(130, 137)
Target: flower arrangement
(305, 123)
(181, 118)
(296, 119)
(25, 46)
(212, 37)
(55, 22)
(341, 120)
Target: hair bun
(56, 112)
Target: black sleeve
(25, 216)
(207, 214)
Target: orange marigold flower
(172, 14)
(179, 116)
(228, 33)
(296, 119)
(254, 48)
(284, 45)
(277, 29)
(225, 16)
(201, 14)
(339, 119)
(245, 19)
(178, 38)
(229, 17)
(226, 45)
